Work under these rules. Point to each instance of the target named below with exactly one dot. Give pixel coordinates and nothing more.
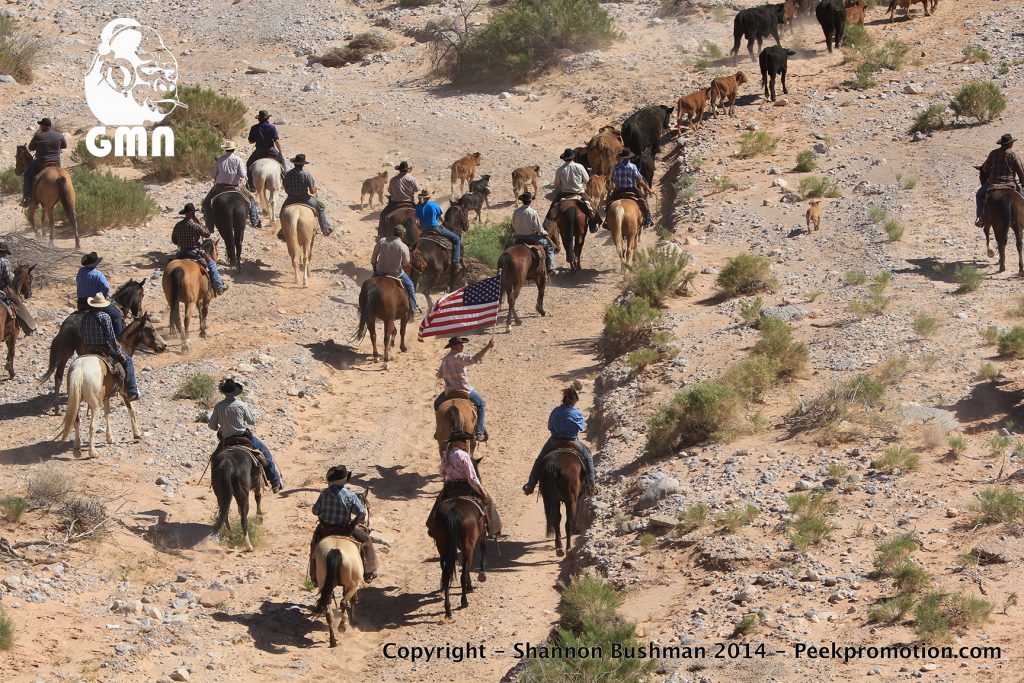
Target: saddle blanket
(439, 240)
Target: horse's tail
(53, 360)
(221, 480)
(569, 235)
(76, 380)
(333, 562)
(453, 530)
(366, 305)
(549, 476)
(177, 284)
(454, 418)
(504, 262)
(65, 200)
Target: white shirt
(571, 178)
(228, 170)
(526, 222)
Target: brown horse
(561, 482)
(624, 222)
(432, 269)
(457, 414)
(517, 265)
(383, 298)
(403, 215)
(185, 283)
(52, 185)
(572, 227)
(21, 287)
(458, 525)
(1003, 211)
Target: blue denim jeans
(410, 288)
(477, 400)
(318, 206)
(131, 386)
(456, 242)
(30, 173)
(549, 248)
(254, 213)
(218, 282)
(549, 445)
(272, 472)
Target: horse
(230, 210)
(300, 227)
(458, 525)
(572, 227)
(52, 184)
(21, 287)
(1003, 210)
(234, 471)
(383, 298)
(431, 261)
(184, 282)
(456, 414)
(68, 341)
(517, 265)
(403, 215)
(268, 179)
(561, 482)
(624, 222)
(338, 563)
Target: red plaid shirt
(188, 234)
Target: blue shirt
(429, 214)
(566, 422)
(337, 505)
(90, 282)
(263, 134)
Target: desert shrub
(46, 485)
(361, 45)
(104, 200)
(892, 610)
(910, 577)
(751, 377)
(837, 403)
(777, 344)
(806, 161)
(855, 277)
(981, 100)
(964, 611)
(856, 37)
(659, 272)
(1015, 311)
(6, 631)
(926, 324)
(735, 518)
(893, 230)
(10, 182)
(606, 635)
(930, 120)
(641, 358)
(999, 506)
(628, 325)
(750, 311)
(723, 184)
(906, 183)
(79, 514)
(892, 369)
(877, 214)
(19, 51)
(747, 625)
(937, 612)
(934, 434)
(746, 274)
(711, 50)
(897, 457)
(975, 53)
(709, 410)
(968, 277)
(1011, 342)
(224, 113)
(646, 540)
(692, 518)
(588, 599)
(82, 154)
(819, 186)
(989, 334)
(893, 552)
(486, 242)
(988, 372)
(957, 446)
(757, 142)
(196, 145)
(929, 360)
(200, 387)
(232, 532)
(930, 623)
(12, 508)
(808, 523)
(875, 303)
(872, 58)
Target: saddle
(244, 442)
(457, 393)
(39, 174)
(398, 205)
(536, 250)
(568, 445)
(114, 369)
(8, 306)
(429, 235)
(461, 490)
(222, 188)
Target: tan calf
(855, 14)
(597, 190)
(374, 186)
(464, 170)
(523, 177)
(693, 105)
(813, 215)
(726, 88)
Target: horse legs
(402, 325)
(570, 521)
(131, 418)
(204, 308)
(558, 531)
(48, 217)
(186, 321)
(10, 347)
(482, 577)
(31, 211)
(372, 329)
(389, 340)
(988, 237)
(106, 419)
(257, 491)
(466, 581)
(242, 500)
(58, 375)
(541, 284)
(92, 430)
(1017, 230)
(332, 625)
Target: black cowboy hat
(91, 259)
(1006, 139)
(404, 166)
(231, 387)
(338, 473)
(299, 159)
(263, 115)
(626, 153)
(426, 193)
(456, 340)
(4, 249)
(45, 121)
(568, 154)
(189, 208)
(459, 436)
(526, 197)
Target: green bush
(104, 200)
(659, 272)
(877, 214)
(747, 625)
(989, 334)
(735, 518)
(19, 51)
(485, 243)
(808, 521)
(893, 552)
(757, 142)
(10, 182)
(926, 324)
(806, 161)
(604, 669)
(777, 344)
(641, 358)
(873, 58)
(47, 485)
(526, 36)
(892, 610)
(361, 45)
(196, 146)
(82, 154)
(910, 577)
(746, 274)
(12, 508)
(893, 230)
(225, 113)
(707, 411)
(693, 517)
(813, 187)
(232, 532)
(839, 402)
(897, 457)
(588, 599)
(957, 446)
(999, 506)
(6, 631)
(876, 303)
(855, 277)
(1011, 342)
(930, 120)
(750, 311)
(751, 377)
(628, 326)
(976, 53)
(200, 387)
(981, 100)
(856, 37)
(938, 612)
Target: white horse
(299, 223)
(268, 179)
(90, 381)
(338, 563)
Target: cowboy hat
(568, 154)
(189, 208)
(459, 436)
(1006, 139)
(456, 340)
(45, 121)
(231, 387)
(91, 259)
(263, 115)
(299, 159)
(338, 473)
(625, 153)
(98, 301)
(228, 146)
(425, 193)
(526, 197)
(404, 166)
(4, 249)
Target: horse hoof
(482, 578)
(385, 365)
(559, 552)
(991, 253)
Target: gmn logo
(132, 82)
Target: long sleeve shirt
(453, 371)
(6, 275)
(97, 330)
(625, 174)
(47, 145)
(228, 170)
(263, 134)
(403, 188)
(456, 464)
(231, 417)
(566, 422)
(389, 257)
(338, 505)
(571, 178)
(188, 234)
(297, 183)
(1003, 167)
(526, 222)
(90, 281)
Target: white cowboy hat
(228, 146)
(98, 301)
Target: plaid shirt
(1003, 167)
(98, 331)
(337, 505)
(189, 234)
(231, 417)
(6, 276)
(625, 174)
(228, 170)
(297, 183)
(456, 464)
(453, 371)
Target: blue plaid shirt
(337, 505)
(97, 330)
(90, 282)
(625, 174)
(297, 183)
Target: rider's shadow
(276, 626)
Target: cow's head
(780, 11)
(741, 78)
(667, 113)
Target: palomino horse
(184, 282)
(561, 482)
(403, 215)
(338, 563)
(128, 300)
(268, 179)
(21, 287)
(1004, 210)
(517, 265)
(235, 472)
(52, 185)
(230, 211)
(300, 225)
(383, 298)
(432, 262)
(457, 414)
(624, 221)
(457, 526)
(572, 227)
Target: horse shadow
(357, 272)
(32, 407)
(152, 259)
(394, 484)
(32, 453)
(938, 270)
(255, 272)
(172, 536)
(381, 608)
(337, 356)
(581, 278)
(276, 626)
(987, 407)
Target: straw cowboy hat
(228, 146)
(231, 387)
(338, 473)
(98, 301)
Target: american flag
(467, 308)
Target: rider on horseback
(300, 188)
(98, 338)
(47, 144)
(530, 230)
(429, 214)
(341, 513)
(231, 418)
(390, 257)
(456, 379)
(7, 293)
(571, 183)
(458, 472)
(629, 183)
(229, 173)
(402, 189)
(565, 424)
(268, 145)
(188, 235)
(1003, 167)
(90, 282)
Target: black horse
(230, 213)
(1003, 211)
(68, 342)
(431, 262)
(235, 472)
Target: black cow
(832, 17)
(757, 23)
(481, 186)
(773, 62)
(643, 129)
(473, 201)
(645, 164)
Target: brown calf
(693, 105)
(597, 190)
(374, 186)
(726, 88)
(789, 14)
(905, 6)
(464, 170)
(603, 150)
(855, 15)
(521, 178)
(813, 215)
